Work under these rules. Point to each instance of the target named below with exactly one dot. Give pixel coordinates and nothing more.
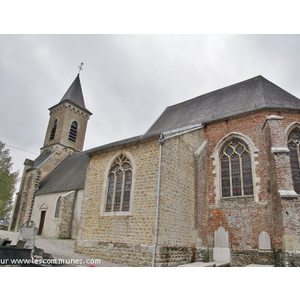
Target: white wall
(47, 203)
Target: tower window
(52, 134)
(73, 132)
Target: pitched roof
(115, 144)
(247, 96)
(74, 94)
(68, 175)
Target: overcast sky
(127, 80)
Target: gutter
(161, 140)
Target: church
(215, 178)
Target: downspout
(72, 214)
(161, 142)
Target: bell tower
(68, 121)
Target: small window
(293, 145)
(73, 132)
(236, 172)
(58, 202)
(53, 130)
(119, 185)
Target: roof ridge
(233, 100)
(217, 90)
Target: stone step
(256, 265)
(207, 264)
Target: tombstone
(264, 241)
(27, 234)
(221, 251)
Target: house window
(73, 132)
(236, 172)
(58, 202)
(53, 130)
(293, 145)
(119, 185)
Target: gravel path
(62, 249)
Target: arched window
(119, 185)
(293, 145)
(52, 134)
(58, 202)
(73, 132)
(236, 171)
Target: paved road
(62, 249)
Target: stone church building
(216, 177)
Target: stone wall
(139, 255)
(177, 197)
(65, 213)
(288, 259)
(129, 237)
(242, 258)
(25, 198)
(66, 113)
(135, 227)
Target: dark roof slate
(247, 96)
(68, 175)
(74, 94)
(115, 144)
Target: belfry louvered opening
(73, 132)
(53, 129)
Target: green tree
(8, 181)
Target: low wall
(172, 256)
(242, 258)
(288, 259)
(141, 255)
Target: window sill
(238, 198)
(117, 213)
(239, 201)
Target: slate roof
(115, 144)
(247, 96)
(74, 94)
(68, 175)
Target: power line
(21, 149)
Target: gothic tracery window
(236, 171)
(293, 145)
(119, 185)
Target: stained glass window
(293, 145)
(236, 172)
(119, 185)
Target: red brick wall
(243, 218)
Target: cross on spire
(80, 67)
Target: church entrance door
(42, 222)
